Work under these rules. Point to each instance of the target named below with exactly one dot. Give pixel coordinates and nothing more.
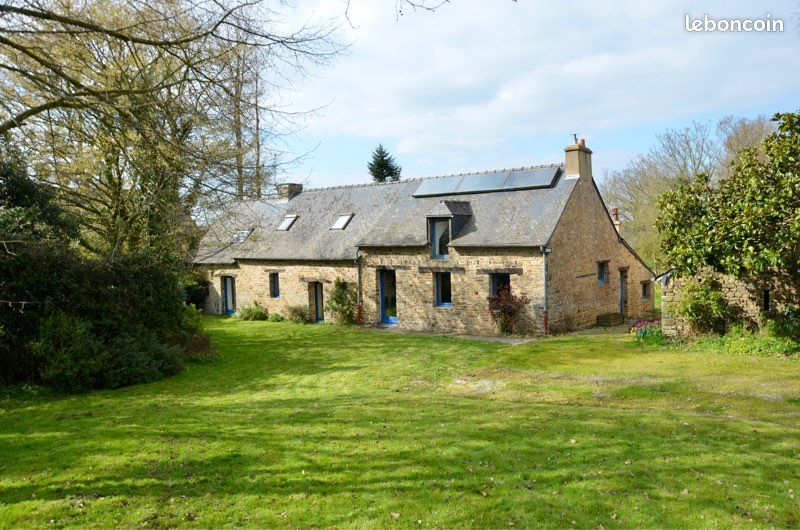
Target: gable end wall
(585, 235)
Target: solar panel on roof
(482, 182)
(438, 186)
(531, 178)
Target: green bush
(254, 311)
(75, 323)
(66, 355)
(70, 358)
(298, 314)
(343, 302)
(787, 323)
(193, 338)
(704, 307)
(650, 335)
(739, 341)
(276, 317)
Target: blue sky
(485, 85)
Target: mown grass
(318, 426)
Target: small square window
(274, 285)
(440, 238)
(602, 272)
(442, 288)
(500, 281)
(342, 221)
(766, 300)
(287, 223)
(645, 290)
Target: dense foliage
(704, 306)
(506, 309)
(298, 314)
(382, 167)
(648, 332)
(343, 302)
(253, 311)
(747, 224)
(75, 323)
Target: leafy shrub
(254, 311)
(74, 323)
(66, 355)
(343, 302)
(70, 358)
(195, 287)
(740, 341)
(193, 338)
(704, 307)
(787, 323)
(276, 317)
(648, 332)
(506, 309)
(298, 314)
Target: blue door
(228, 295)
(318, 311)
(388, 281)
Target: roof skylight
(342, 221)
(240, 235)
(287, 223)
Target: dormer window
(440, 238)
(240, 235)
(342, 221)
(287, 223)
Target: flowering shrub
(506, 309)
(648, 332)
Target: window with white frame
(342, 221)
(287, 223)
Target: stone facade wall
(748, 297)
(251, 279)
(469, 269)
(585, 236)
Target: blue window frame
(228, 295)
(440, 238)
(500, 280)
(274, 285)
(602, 272)
(442, 289)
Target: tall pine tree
(383, 167)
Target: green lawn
(317, 426)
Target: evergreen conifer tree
(383, 167)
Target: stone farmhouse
(424, 254)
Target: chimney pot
(578, 160)
(615, 217)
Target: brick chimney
(288, 190)
(578, 160)
(615, 217)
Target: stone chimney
(615, 217)
(288, 190)
(578, 160)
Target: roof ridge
(419, 179)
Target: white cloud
(470, 79)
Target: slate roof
(385, 214)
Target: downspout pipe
(545, 250)
(357, 259)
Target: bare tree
(677, 157)
(147, 114)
